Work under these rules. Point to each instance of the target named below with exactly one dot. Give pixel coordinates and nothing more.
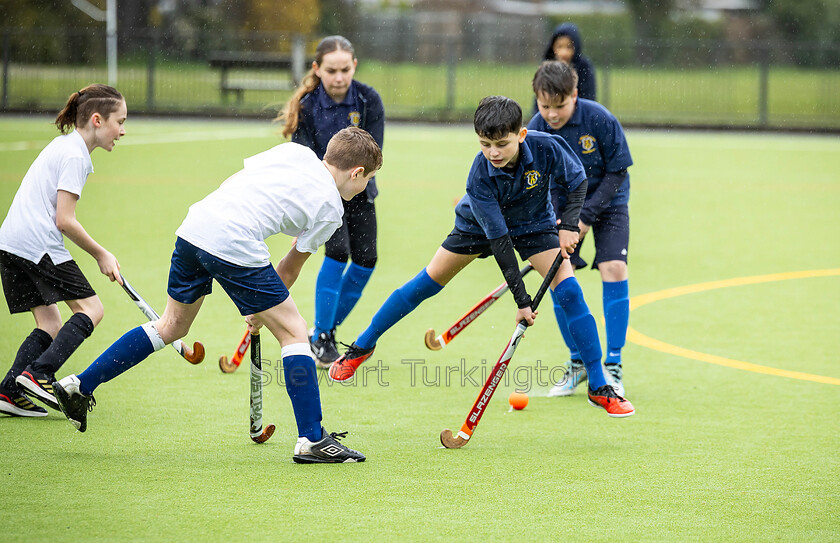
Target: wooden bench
(226, 61)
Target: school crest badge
(532, 177)
(355, 118)
(587, 143)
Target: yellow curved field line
(651, 343)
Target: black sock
(32, 347)
(77, 329)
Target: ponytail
(291, 111)
(96, 98)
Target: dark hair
(555, 78)
(310, 81)
(96, 98)
(351, 147)
(496, 117)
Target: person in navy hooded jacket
(566, 45)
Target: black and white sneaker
(14, 402)
(324, 349)
(72, 402)
(326, 451)
(38, 385)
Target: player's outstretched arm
(290, 265)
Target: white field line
(151, 139)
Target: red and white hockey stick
(451, 441)
(438, 343)
(194, 355)
(231, 366)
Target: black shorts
(27, 285)
(611, 231)
(528, 245)
(356, 237)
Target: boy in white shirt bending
(285, 189)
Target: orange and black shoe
(615, 405)
(344, 368)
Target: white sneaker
(613, 374)
(575, 375)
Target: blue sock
(128, 351)
(352, 284)
(582, 328)
(326, 294)
(616, 314)
(560, 315)
(302, 387)
(400, 303)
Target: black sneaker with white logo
(326, 451)
(324, 349)
(14, 402)
(72, 402)
(38, 385)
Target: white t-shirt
(29, 230)
(286, 189)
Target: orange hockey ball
(518, 400)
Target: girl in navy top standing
(328, 100)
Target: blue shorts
(462, 243)
(611, 231)
(192, 271)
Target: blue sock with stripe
(400, 303)
(326, 294)
(352, 284)
(582, 328)
(302, 387)
(616, 314)
(560, 315)
(132, 348)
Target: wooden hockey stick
(441, 341)
(194, 355)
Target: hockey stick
(457, 441)
(438, 343)
(194, 355)
(231, 366)
(258, 434)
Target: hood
(565, 29)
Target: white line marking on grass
(198, 135)
(21, 145)
(151, 139)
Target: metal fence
(428, 76)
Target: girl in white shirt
(37, 270)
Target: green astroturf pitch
(732, 364)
